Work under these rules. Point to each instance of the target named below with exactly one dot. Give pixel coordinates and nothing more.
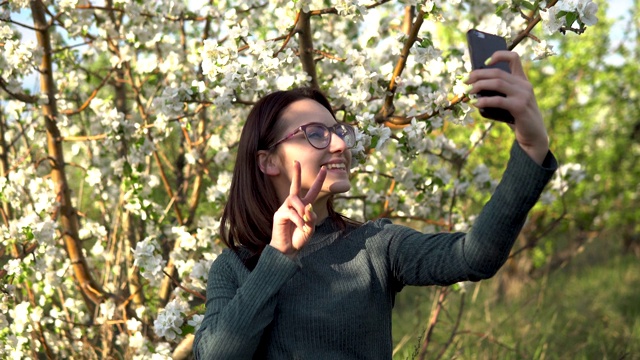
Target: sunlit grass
(587, 310)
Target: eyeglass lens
(319, 136)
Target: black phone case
(481, 46)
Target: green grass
(589, 309)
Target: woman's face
(336, 157)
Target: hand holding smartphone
(481, 46)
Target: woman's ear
(268, 163)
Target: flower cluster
(150, 106)
(148, 259)
(170, 319)
(566, 12)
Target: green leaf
(187, 329)
(570, 19)
(501, 8)
(28, 233)
(426, 43)
(528, 5)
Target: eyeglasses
(319, 135)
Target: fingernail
(465, 78)
(473, 101)
(488, 61)
(306, 228)
(305, 218)
(310, 207)
(468, 89)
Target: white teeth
(336, 166)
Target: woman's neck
(320, 207)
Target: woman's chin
(340, 187)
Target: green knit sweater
(335, 302)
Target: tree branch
(91, 291)
(190, 291)
(455, 327)
(289, 35)
(91, 97)
(19, 24)
(388, 108)
(303, 28)
(333, 10)
(394, 121)
(432, 323)
(29, 99)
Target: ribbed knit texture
(335, 302)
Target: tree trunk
(67, 215)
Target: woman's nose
(337, 143)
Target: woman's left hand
(520, 101)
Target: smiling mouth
(336, 167)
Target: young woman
(299, 281)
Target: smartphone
(481, 46)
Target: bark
(409, 12)
(67, 215)
(306, 47)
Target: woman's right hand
(294, 222)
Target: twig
(455, 327)
(289, 35)
(530, 25)
(29, 99)
(432, 323)
(72, 46)
(91, 97)
(83, 138)
(329, 56)
(192, 292)
(20, 24)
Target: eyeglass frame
(332, 129)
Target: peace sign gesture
(294, 222)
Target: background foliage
(115, 168)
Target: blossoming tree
(115, 167)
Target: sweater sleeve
(446, 258)
(240, 304)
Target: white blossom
(543, 50)
(20, 316)
(170, 319)
(196, 321)
(587, 12)
(147, 260)
(550, 20)
(94, 176)
(382, 133)
(13, 267)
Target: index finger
(295, 181)
(314, 190)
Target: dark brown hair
(247, 219)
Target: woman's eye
(315, 133)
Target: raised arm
(425, 259)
